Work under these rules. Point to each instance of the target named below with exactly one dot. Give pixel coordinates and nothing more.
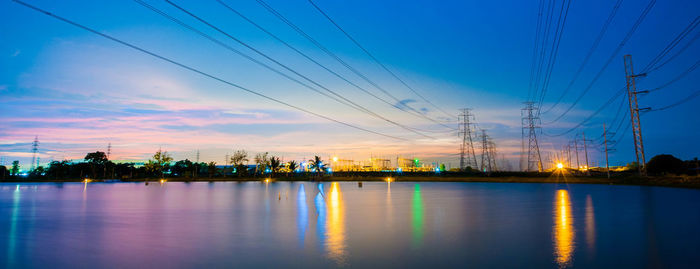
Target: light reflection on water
(302, 214)
(564, 233)
(417, 217)
(399, 224)
(335, 244)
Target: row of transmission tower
(467, 154)
(531, 159)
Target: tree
(159, 162)
(211, 169)
(183, 168)
(37, 172)
(261, 162)
(124, 170)
(317, 164)
(239, 157)
(274, 165)
(3, 171)
(58, 169)
(664, 163)
(96, 159)
(292, 166)
(15, 168)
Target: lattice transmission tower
(530, 124)
(467, 156)
(487, 158)
(35, 149)
(632, 92)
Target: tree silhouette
(211, 168)
(261, 162)
(663, 164)
(159, 162)
(96, 159)
(317, 164)
(292, 165)
(15, 168)
(274, 165)
(238, 159)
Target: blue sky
(78, 91)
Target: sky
(78, 91)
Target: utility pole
(578, 165)
(467, 156)
(605, 142)
(529, 123)
(585, 150)
(632, 92)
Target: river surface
(377, 225)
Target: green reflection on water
(12, 236)
(417, 217)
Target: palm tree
(317, 164)
(274, 164)
(292, 166)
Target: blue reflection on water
(302, 214)
(12, 234)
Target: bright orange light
(389, 179)
(267, 180)
(162, 181)
(560, 165)
(335, 159)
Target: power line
(679, 102)
(338, 59)
(593, 47)
(314, 61)
(543, 49)
(600, 109)
(377, 60)
(677, 78)
(200, 72)
(535, 48)
(353, 104)
(688, 29)
(687, 45)
(639, 20)
(554, 51)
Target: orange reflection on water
(563, 229)
(590, 223)
(335, 244)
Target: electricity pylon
(530, 123)
(486, 154)
(467, 156)
(35, 148)
(632, 92)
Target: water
(306, 224)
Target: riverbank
(676, 182)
